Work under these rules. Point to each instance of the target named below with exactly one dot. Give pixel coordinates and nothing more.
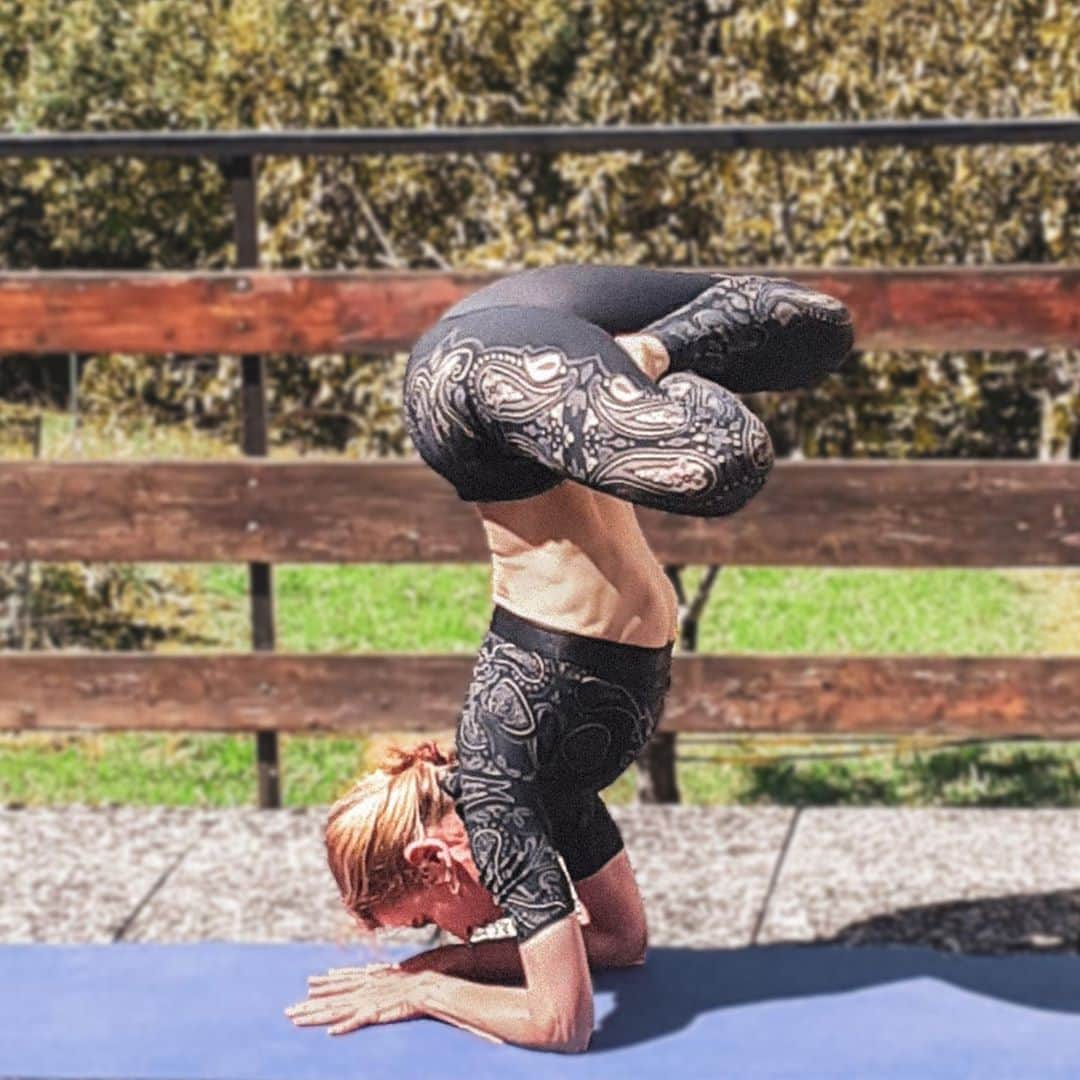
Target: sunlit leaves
(205, 64)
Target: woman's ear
(432, 858)
(417, 852)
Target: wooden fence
(834, 513)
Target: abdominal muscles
(575, 559)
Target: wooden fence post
(241, 172)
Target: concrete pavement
(963, 880)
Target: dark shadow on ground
(679, 984)
(1011, 774)
(1044, 923)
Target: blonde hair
(369, 826)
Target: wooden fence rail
(813, 513)
(818, 513)
(1011, 307)
(836, 513)
(303, 694)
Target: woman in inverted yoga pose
(556, 400)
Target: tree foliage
(221, 64)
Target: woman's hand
(342, 978)
(352, 998)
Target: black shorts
(551, 718)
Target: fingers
(330, 989)
(338, 979)
(340, 974)
(336, 972)
(350, 998)
(349, 1025)
(310, 1013)
(343, 986)
(348, 1021)
(343, 1014)
(327, 1001)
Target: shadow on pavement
(678, 985)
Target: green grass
(865, 611)
(403, 608)
(173, 769)
(360, 608)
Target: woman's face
(460, 913)
(452, 897)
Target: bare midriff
(575, 559)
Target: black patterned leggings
(522, 386)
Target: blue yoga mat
(214, 1012)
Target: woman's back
(576, 560)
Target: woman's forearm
(500, 1013)
(500, 960)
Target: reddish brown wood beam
(821, 513)
(962, 697)
(1006, 307)
(301, 313)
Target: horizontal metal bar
(509, 140)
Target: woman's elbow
(571, 1036)
(568, 1030)
(576, 1045)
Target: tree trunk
(656, 781)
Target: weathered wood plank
(301, 313)
(813, 513)
(976, 697)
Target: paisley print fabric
(509, 401)
(550, 719)
(522, 386)
(753, 333)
